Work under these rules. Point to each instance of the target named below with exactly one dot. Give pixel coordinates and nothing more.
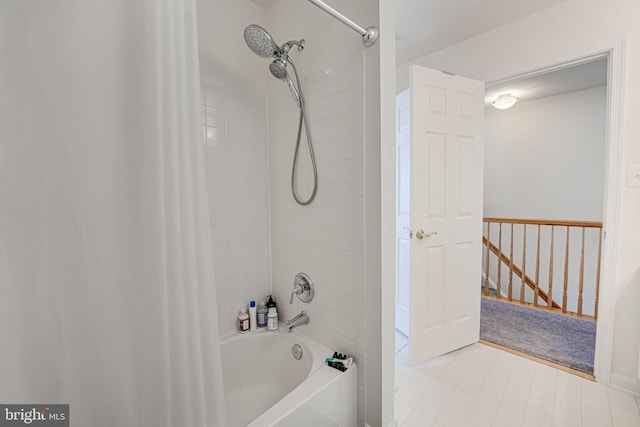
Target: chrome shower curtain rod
(369, 34)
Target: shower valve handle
(303, 287)
(297, 290)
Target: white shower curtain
(106, 283)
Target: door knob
(420, 234)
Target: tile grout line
(494, 362)
(563, 394)
(457, 385)
(503, 394)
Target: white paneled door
(447, 149)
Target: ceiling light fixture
(504, 101)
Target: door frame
(614, 51)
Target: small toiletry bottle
(243, 321)
(262, 314)
(272, 319)
(252, 316)
(271, 303)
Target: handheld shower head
(278, 69)
(260, 42)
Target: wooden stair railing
(516, 270)
(539, 294)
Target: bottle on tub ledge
(262, 314)
(272, 319)
(272, 314)
(271, 303)
(243, 321)
(253, 317)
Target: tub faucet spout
(300, 319)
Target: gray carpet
(568, 341)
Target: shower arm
(369, 34)
(285, 48)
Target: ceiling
(424, 26)
(264, 3)
(569, 79)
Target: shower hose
(302, 120)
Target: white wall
(236, 146)
(381, 263)
(550, 37)
(326, 239)
(544, 158)
(323, 239)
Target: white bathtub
(266, 386)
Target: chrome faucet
(300, 319)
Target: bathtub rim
(320, 375)
(316, 349)
(313, 385)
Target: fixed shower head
(260, 42)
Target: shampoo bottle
(252, 316)
(271, 303)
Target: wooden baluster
(538, 293)
(537, 290)
(566, 274)
(498, 294)
(486, 265)
(550, 293)
(524, 263)
(511, 266)
(581, 281)
(595, 309)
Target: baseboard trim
(630, 385)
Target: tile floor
(482, 386)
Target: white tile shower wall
(325, 238)
(235, 145)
